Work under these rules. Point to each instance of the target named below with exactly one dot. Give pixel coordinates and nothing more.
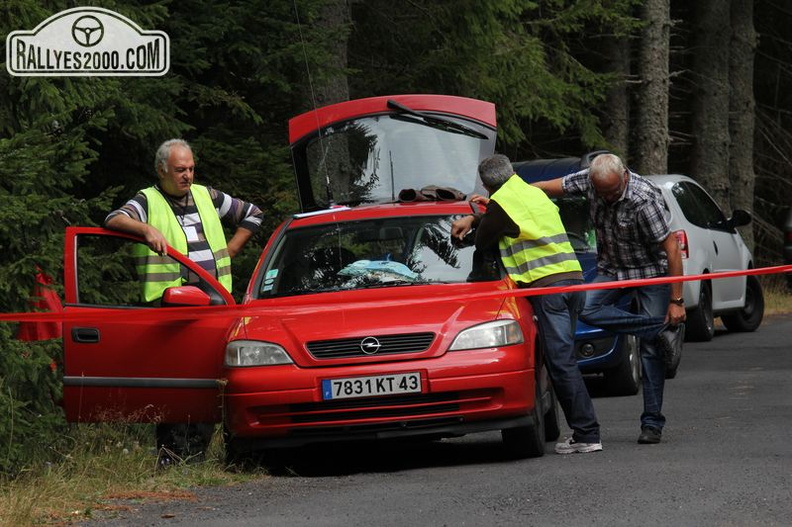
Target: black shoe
(650, 435)
(670, 340)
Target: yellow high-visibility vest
(542, 248)
(156, 272)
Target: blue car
(598, 351)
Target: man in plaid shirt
(634, 241)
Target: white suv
(710, 243)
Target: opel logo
(370, 345)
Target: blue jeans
(557, 316)
(601, 311)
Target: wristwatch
(678, 301)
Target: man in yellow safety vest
(525, 226)
(178, 212)
(188, 217)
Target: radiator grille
(373, 345)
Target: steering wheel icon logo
(87, 31)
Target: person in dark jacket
(524, 224)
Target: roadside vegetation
(101, 469)
(777, 294)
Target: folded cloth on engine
(431, 193)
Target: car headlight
(489, 335)
(255, 353)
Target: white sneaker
(571, 447)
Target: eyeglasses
(613, 194)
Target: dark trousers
(601, 310)
(557, 316)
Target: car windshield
(371, 159)
(387, 252)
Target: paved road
(726, 460)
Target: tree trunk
(710, 160)
(616, 120)
(326, 83)
(333, 87)
(651, 134)
(742, 107)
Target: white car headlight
(489, 335)
(255, 353)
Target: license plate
(371, 386)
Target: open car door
(121, 366)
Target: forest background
(699, 88)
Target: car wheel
(527, 441)
(239, 454)
(749, 317)
(625, 379)
(182, 442)
(551, 425)
(700, 323)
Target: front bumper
(462, 392)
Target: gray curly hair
(163, 153)
(495, 171)
(604, 165)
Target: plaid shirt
(631, 231)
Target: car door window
(698, 208)
(107, 275)
(575, 216)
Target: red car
(362, 320)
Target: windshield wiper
(434, 121)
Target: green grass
(108, 465)
(777, 294)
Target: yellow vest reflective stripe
(542, 248)
(156, 272)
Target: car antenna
(328, 189)
(393, 183)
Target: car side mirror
(186, 295)
(739, 218)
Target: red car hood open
(370, 150)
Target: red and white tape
(79, 313)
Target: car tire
(625, 379)
(527, 441)
(183, 442)
(749, 317)
(700, 323)
(551, 424)
(239, 454)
